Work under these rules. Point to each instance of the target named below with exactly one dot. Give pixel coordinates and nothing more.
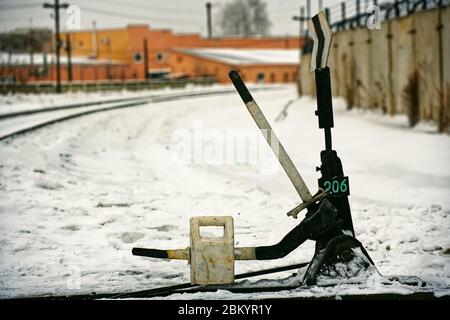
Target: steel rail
(127, 103)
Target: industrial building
(138, 52)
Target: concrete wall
(404, 67)
(445, 18)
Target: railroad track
(20, 122)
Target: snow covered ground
(77, 196)
(23, 102)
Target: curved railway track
(20, 122)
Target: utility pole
(145, 59)
(56, 6)
(208, 19)
(301, 19)
(45, 63)
(30, 47)
(308, 9)
(343, 11)
(69, 57)
(110, 73)
(94, 40)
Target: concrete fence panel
(403, 67)
(361, 55)
(445, 70)
(380, 64)
(333, 63)
(402, 53)
(427, 63)
(346, 62)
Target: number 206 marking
(336, 186)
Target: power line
(135, 17)
(24, 18)
(152, 8)
(15, 1)
(56, 6)
(19, 6)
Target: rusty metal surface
(212, 259)
(179, 254)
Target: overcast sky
(178, 15)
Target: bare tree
(244, 18)
(260, 18)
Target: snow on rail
(25, 120)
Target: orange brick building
(119, 54)
(40, 67)
(254, 65)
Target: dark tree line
(27, 40)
